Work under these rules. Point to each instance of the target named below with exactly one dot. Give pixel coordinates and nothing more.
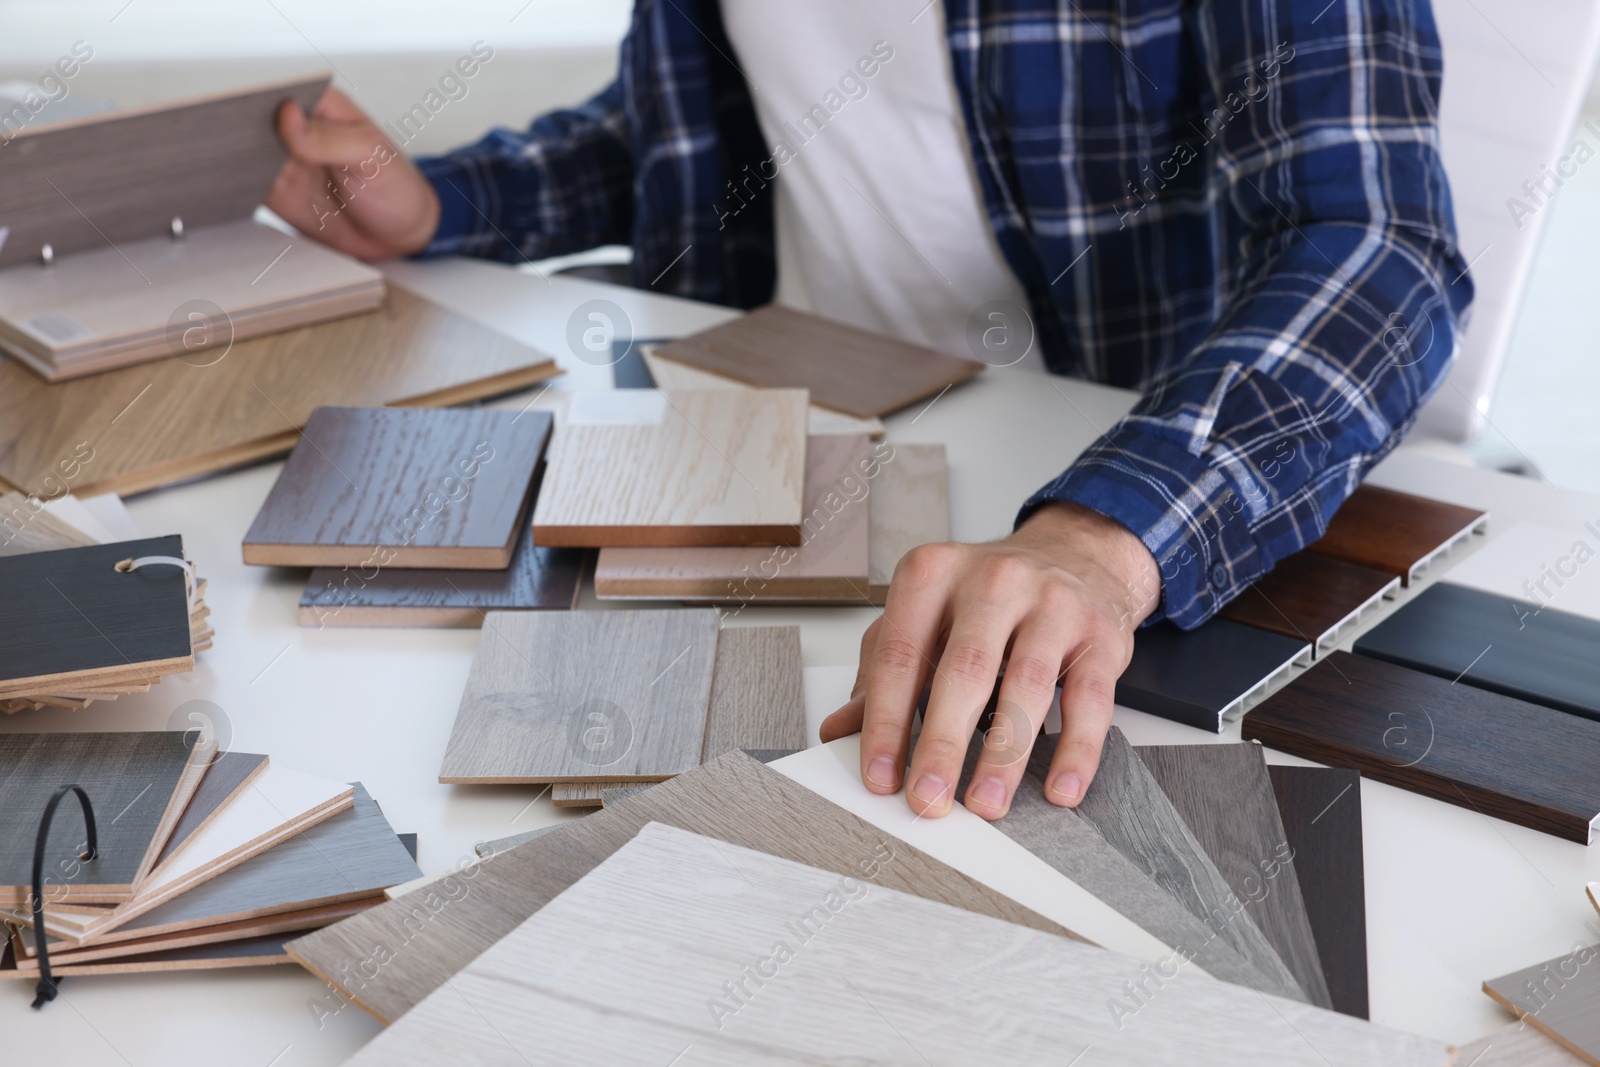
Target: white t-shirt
(880, 219)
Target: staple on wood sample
(1397, 532)
(1202, 676)
(1559, 997)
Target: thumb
(324, 142)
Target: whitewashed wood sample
(650, 468)
(670, 374)
(751, 959)
(910, 505)
(586, 696)
(830, 562)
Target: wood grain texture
(1198, 676)
(1559, 997)
(1127, 807)
(1311, 597)
(909, 506)
(1517, 1045)
(733, 799)
(848, 369)
(757, 700)
(141, 427)
(285, 923)
(820, 421)
(1505, 758)
(1396, 532)
(125, 175)
(1225, 797)
(390, 487)
(584, 696)
(831, 560)
(228, 775)
(25, 526)
(1497, 643)
(1321, 812)
(864, 959)
(639, 467)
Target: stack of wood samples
(173, 264)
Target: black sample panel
(1194, 676)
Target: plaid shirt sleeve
(1340, 319)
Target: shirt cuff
(459, 218)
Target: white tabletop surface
(1453, 897)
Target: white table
(1452, 897)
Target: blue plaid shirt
(1236, 207)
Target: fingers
(1088, 698)
(847, 720)
(334, 135)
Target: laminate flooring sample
(441, 488)
(141, 427)
(1560, 997)
(255, 952)
(584, 696)
(1312, 597)
(875, 964)
(847, 369)
(1224, 794)
(1127, 807)
(1397, 532)
(138, 784)
(1505, 758)
(644, 467)
(1496, 643)
(26, 527)
(1321, 812)
(831, 561)
(1517, 1045)
(1200, 677)
(909, 505)
(734, 799)
(538, 579)
(228, 775)
(820, 421)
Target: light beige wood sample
(1594, 894)
(830, 562)
(646, 467)
(27, 527)
(670, 374)
(748, 958)
(910, 506)
(585, 696)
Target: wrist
(1101, 551)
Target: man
(1235, 206)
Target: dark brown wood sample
(1505, 758)
(1561, 997)
(1225, 798)
(390, 487)
(1309, 596)
(1396, 532)
(847, 369)
(1198, 676)
(1495, 642)
(733, 799)
(126, 175)
(225, 778)
(1321, 812)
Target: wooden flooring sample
(875, 964)
(27, 527)
(228, 775)
(1497, 643)
(255, 952)
(1560, 997)
(1199, 677)
(539, 579)
(1517, 1045)
(391, 487)
(831, 561)
(1225, 797)
(1321, 812)
(642, 467)
(1396, 532)
(584, 696)
(1311, 597)
(1127, 807)
(909, 504)
(141, 427)
(820, 421)
(733, 799)
(1505, 758)
(757, 701)
(848, 369)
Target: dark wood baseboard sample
(1311, 597)
(1396, 532)
(1495, 642)
(1560, 997)
(1503, 757)
(1198, 676)
(1321, 812)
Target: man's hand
(1055, 603)
(346, 185)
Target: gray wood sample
(1126, 805)
(747, 958)
(1198, 676)
(227, 775)
(1224, 794)
(584, 696)
(733, 799)
(756, 695)
(1517, 1045)
(1560, 997)
(402, 487)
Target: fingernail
(1067, 786)
(930, 789)
(989, 792)
(881, 772)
